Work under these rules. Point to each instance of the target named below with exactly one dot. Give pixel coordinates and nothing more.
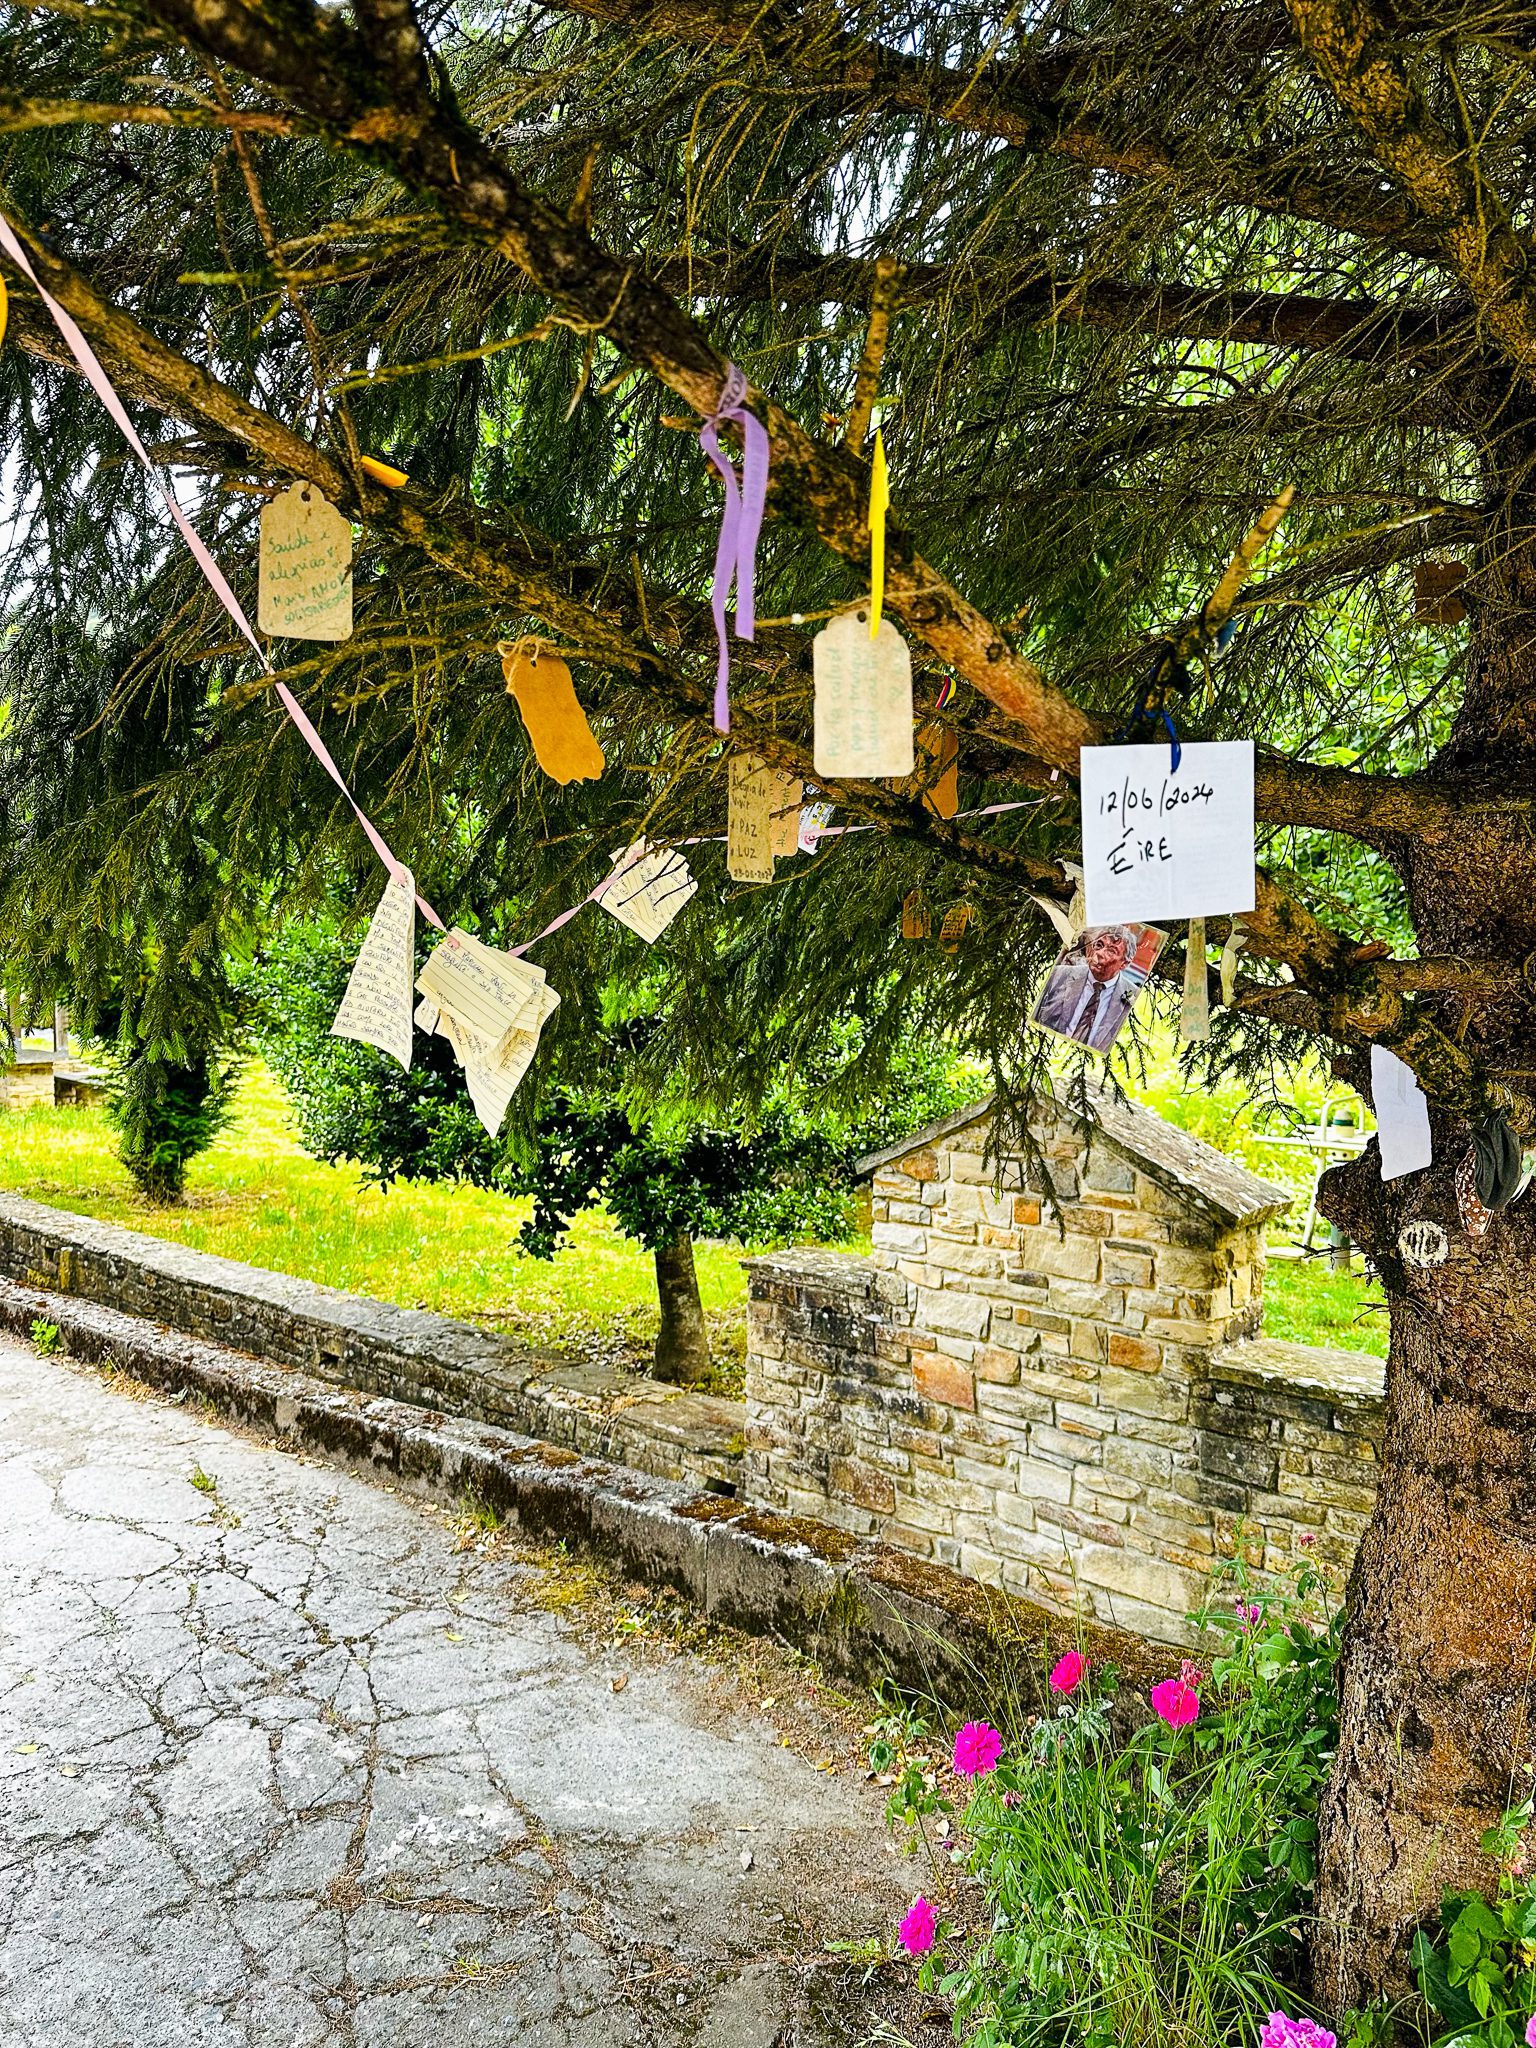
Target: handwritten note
(749, 820)
(648, 889)
(784, 794)
(1402, 1116)
(863, 699)
(304, 576)
(1195, 1009)
(916, 917)
(491, 1008)
(376, 1009)
(1158, 845)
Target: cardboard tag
(376, 1009)
(784, 794)
(953, 929)
(916, 917)
(1195, 1010)
(863, 699)
(1158, 845)
(304, 574)
(540, 685)
(648, 889)
(749, 820)
(937, 780)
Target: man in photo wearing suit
(1090, 992)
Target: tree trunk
(682, 1342)
(1436, 1679)
(1437, 1667)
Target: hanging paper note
(863, 699)
(648, 889)
(1402, 1116)
(784, 794)
(1058, 917)
(814, 820)
(1237, 938)
(491, 1007)
(879, 500)
(749, 820)
(1164, 845)
(937, 780)
(376, 1009)
(953, 929)
(562, 741)
(916, 917)
(1195, 1011)
(304, 586)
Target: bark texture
(682, 1342)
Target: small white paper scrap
(1159, 846)
(1195, 1010)
(863, 699)
(1402, 1116)
(376, 1009)
(648, 889)
(814, 820)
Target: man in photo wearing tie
(1092, 986)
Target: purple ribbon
(740, 524)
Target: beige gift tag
(305, 576)
(916, 917)
(937, 780)
(749, 820)
(784, 794)
(1195, 1011)
(863, 699)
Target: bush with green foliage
(1478, 1974)
(1148, 1889)
(165, 1112)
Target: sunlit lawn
(256, 1196)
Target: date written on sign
(1159, 844)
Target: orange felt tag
(937, 780)
(557, 726)
(383, 472)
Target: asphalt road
(283, 1767)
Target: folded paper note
(648, 889)
(1159, 845)
(540, 685)
(1402, 1116)
(376, 1009)
(784, 794)
(491, 1007)
(863, 699)
(304, 573)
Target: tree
(1116, 272)
(669, 1174)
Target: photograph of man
(1088, 994)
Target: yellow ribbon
(879, 498)
(5, 308)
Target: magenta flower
(1069, 1672)
(1178, 1704)
(1247, 1616)
(1282, 2032)
(918, 1929)
(977, 1749)
(1530, 2032)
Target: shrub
(1479, 1975)
(1147, 1890)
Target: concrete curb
(864, 1610)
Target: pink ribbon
(740, 524)
(101, 384)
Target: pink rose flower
(1530, 2032)
(918, 1929)
(1068, 1672)
(1178, 1704)
(977, 1749)
(1281, 2032)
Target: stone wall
(1052, 1388)
(27, 1087)
(405, 1354)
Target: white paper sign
(1402, 1116)
(649, 888)
(863, 699)
(491, 1009)
(304, 568)
(1159, 846)
(376, 1009)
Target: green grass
(256, 1196)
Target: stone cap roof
(1181, 1162)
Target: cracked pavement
(281, 1767)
